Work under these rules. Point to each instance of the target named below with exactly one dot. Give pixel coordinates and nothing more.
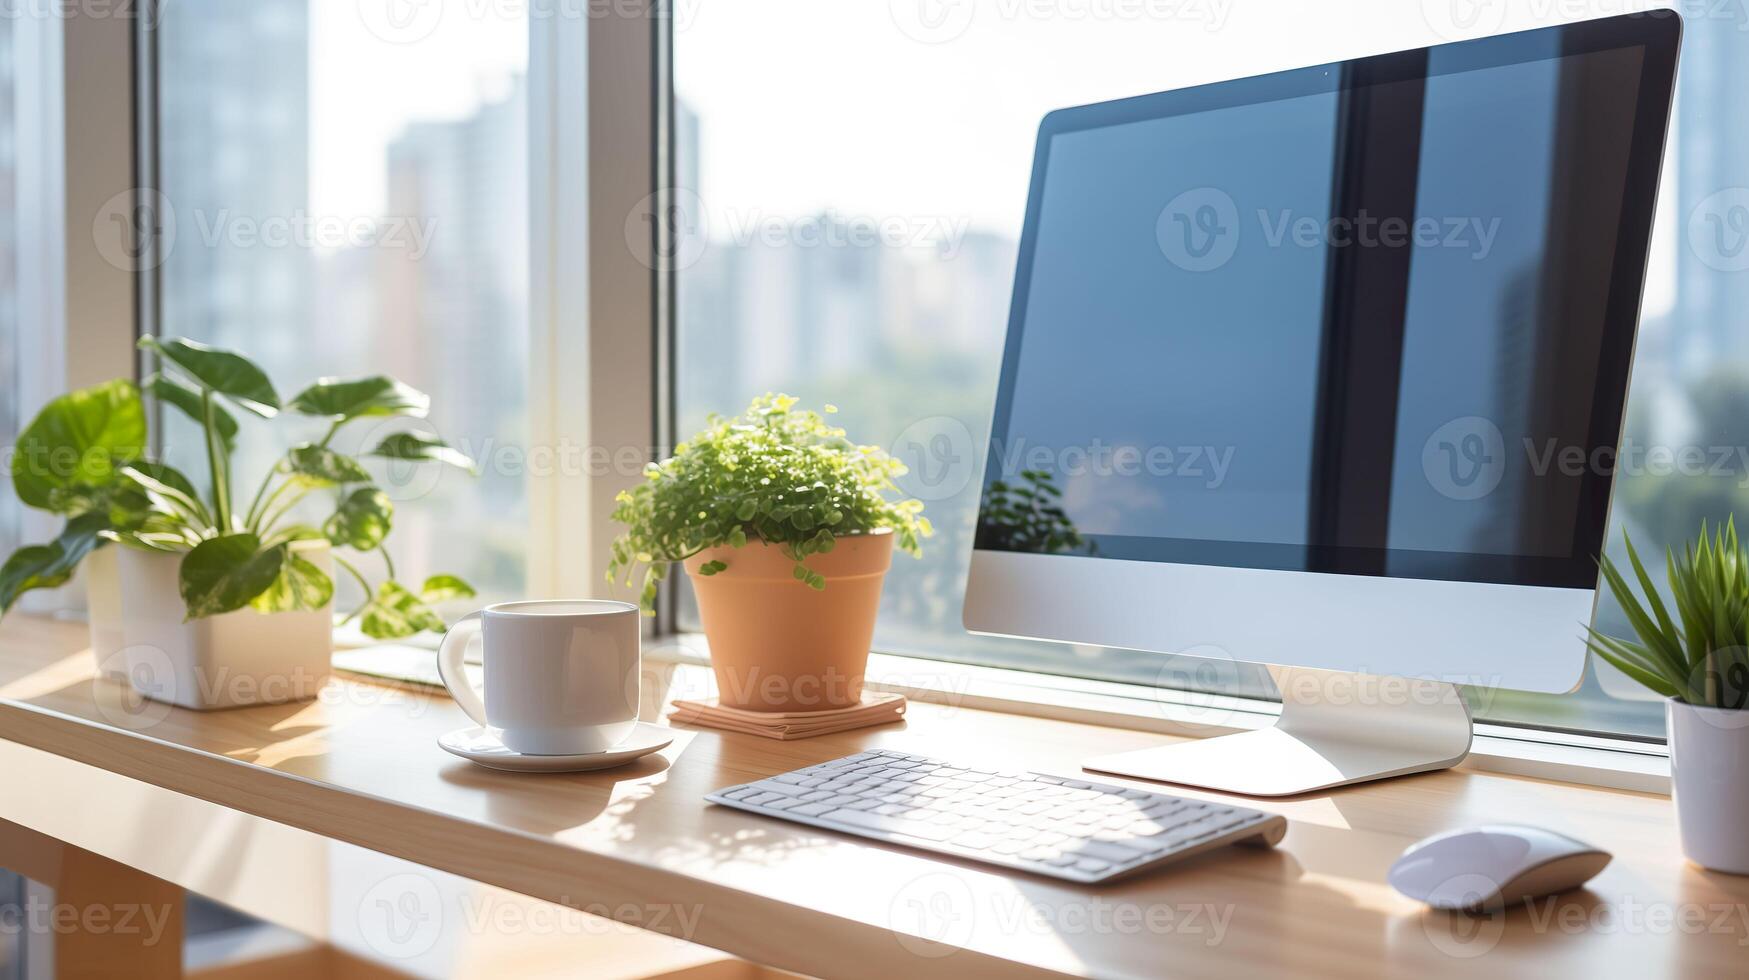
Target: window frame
(77, 66)
(601, 301)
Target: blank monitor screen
(1370, 318)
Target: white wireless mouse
(1494, 866)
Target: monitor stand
(1336, 728)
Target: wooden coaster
(875, 709)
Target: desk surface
(361, 765)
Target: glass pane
(853, 240)
(9, 336)
(348, 195)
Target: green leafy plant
(776, 474)
(69, 461)
(84, 457)
(1701, 655)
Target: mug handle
(454, 675)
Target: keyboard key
(892, 825)
(811, 809)
(779, 786)
(1109, 851)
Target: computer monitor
(1325, 369)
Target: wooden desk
(638, 844)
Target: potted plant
(223, 604)
(1698, 658)
(786, 529)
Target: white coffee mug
(561, 676)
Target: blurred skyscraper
(452, 315)
(773, 302)
(233, 156)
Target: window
(345, 192)
(10, 394)
(853, 239)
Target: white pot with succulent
(1697, 656)
(220, 605)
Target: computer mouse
(1494, 866)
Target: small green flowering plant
(776, 474)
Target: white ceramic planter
(1709, 767)
(227, 661)
(103, 611)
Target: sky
(368, 81)
(916, 109)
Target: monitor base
(1335, 729)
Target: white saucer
(481, 746)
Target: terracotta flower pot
(777, 645)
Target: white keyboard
(1049, 825)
